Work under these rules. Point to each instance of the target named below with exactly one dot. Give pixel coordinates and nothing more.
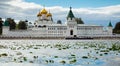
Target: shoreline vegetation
(64, 38)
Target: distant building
(45, 27)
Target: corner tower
(110, 28)
(71, 24)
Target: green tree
(1, 21)
(22, 25)
(12, 24)
(117, 28)
(79, 21)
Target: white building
(45, 27)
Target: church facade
(45, 27)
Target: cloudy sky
(99, 12)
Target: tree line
(22, 25)
(117, 28)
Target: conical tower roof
(110, 25)
(70, 14)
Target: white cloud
(24, 5)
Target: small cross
(70, 7)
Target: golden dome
(39, 14)
(44, 11)
(49, 14)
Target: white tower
(110, 28)
(71, 24)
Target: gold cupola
(39, 14)
(49, 15)
(44, 11)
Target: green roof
(110, 25)
(70, 14)
(6, 23)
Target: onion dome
(44, 11)
(49, 15)
(39, 14)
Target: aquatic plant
(24, 58)
(85, 57)
(55, 56)
(3, 54)
(63, 62)
(104, 50)
(31, 61)
(101, 54)
(73, 61)
(18, 53)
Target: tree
(22, 25)
(1, 21)
(12, 24)
(79, 21)
(59, 22)
(117, 28)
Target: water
(59, 53)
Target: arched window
(71, 32)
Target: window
(71, 32)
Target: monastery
(45, 27)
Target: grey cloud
(5, 0)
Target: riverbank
(67, 38)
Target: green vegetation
(104, 50)
(3, 54)
(1, 21)
(117, 28)
(24, 58)
(115, 47)
(22, 25)
(63, 62)
(72, 52)
(73, 61)
(35, 57)
(79, 21)
(101, 54)
(85, 57)
(55, 56)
